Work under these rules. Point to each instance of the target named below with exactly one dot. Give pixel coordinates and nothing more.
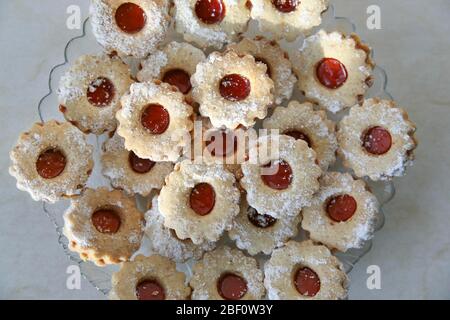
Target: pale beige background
(413, 249)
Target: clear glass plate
(100, 278)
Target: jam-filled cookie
(304, 271)
(343, 213)
(227, 274)
(301, 121)
(89, 93)
(260, 233)
(377, 140)
(51, 161)
(127, 171)
(165, 242)
(149, 278)
(199, 201)
(284, 177)
(211, 23)
(232, 89)
(155, 121)
(334, 70)
(279, 68)
(130, 27)
(174, 64)
(288, 18)
(103, 226)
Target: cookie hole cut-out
(155, 119)
(307, 282)
(231, 286)
(377, 141)
(178, 78)
(285, 6)
(281, 176)
(210, 11)
(234, 87)
(100, 92)
(341, 208)
(331, 73)
(262, 221)
(106, 221)
(51, 163)
(202, 199)
(150, 290)
(299, 135)
(140, 165)
(222, 144)
(130, 18)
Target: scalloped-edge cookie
(343, 213)
(164, 241)
(301, 121)
(377, 140)
(211, 23)
(304, 271)
(279, 68)
(89, 92)
(260, 233)
(232, 89)
(127, 171)
(149, 278)
(199, 202)
(130, 27)
(334, 70)
(227, 274)
(287, 19)
(51, 161)
(280, 183)
(155, 121)
(103, 226)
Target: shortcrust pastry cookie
(334, 70)
(149, 278)
(103, 226)
(130, 27)
(280, 183)
(288, 18)
(89, 93)
(127, 171)
(155, 121)
(227, 274)
(304, 271)
(279, 68)
(199, 201)
(258, 232)
(377, 140)
(301, 121)
(174, 64)
(343, 213)
(51, 161)
(232, 89)
(211, 23)
(164, 241)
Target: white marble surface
(413, 249)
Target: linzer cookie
(227, 274)
(377, 140)
(130, 27)
(211, 23)
(103, 226)
(51, 161)
(89, 93)
(149, 278)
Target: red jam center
(225, 146)
(50, 164)
(331, 73)
(307, 282)
(210, 11)
(282, 177)
(100, 92)
(155, 119)
(106, 221)
(298, 135)
(377, 141)
(178, 78)
(262, 60)
(140, 165)
(341, 208)
(130, 18)
(262, 221)
(150, 290)
(202, 199)
(231, 286)
(285, 6)
(234, 87)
